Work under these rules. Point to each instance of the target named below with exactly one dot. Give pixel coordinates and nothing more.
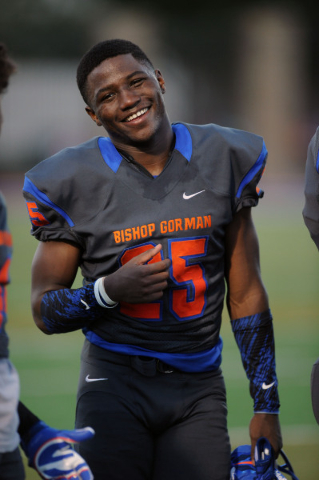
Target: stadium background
(250, 65)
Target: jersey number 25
(187, 299)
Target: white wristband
(101, 296)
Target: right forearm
(67, 310)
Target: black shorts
(11, 466)
(151, 423)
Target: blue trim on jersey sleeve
(183, 143)
(205, 361)
(253, 171)
(317, 163)
(43, 198)
(3, 312)
(109, 153)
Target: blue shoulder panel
(317, 164)
(183, 142)
(43, 198)
(253, 171)
(109, 153)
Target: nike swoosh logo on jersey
(88, 379)
(265, 387)
(187, 197)
(86, 305)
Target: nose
(128, 99)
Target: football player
(311, 218)
(311, 208)
(157, 216)
(48, 450)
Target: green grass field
(48, 366)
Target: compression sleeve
(67, 310)
(255, 339)
(27, 420)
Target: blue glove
(51, 454)
(265, 460)
(265, 468)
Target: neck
(152, 155)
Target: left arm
(248, 307)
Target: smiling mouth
(136, 115)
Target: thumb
(77, 435)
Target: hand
(139, 281)
(51, 454)
(265, 425)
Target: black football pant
(151, 425)
(11, 466)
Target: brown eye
(137, 81)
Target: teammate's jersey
(113, 210)
(311, 208)
(5, 258)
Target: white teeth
(137, 114)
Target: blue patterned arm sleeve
(67, 310)
(255, 339)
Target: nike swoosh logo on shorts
(87, 379)
(265, 387)
(187, 197)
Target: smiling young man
(157, 217)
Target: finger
(157, 267)
(252, 453)
(158, 278)
(149, 293)
(146, 256)
(86, 475)
(149, 298)
(78, 435)
(155, 288)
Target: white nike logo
(265, 387)
(187, 197)
(86, 305)
(87, 379)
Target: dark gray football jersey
(311, 208)
(113, 210)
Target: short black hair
(7, 67)
(100, 52)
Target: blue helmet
(265, 468)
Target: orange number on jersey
(188, 300)
(147, 311)
(35, 216)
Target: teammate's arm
(49, 450)
(248, 307)
(57, 308)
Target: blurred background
(251, 65)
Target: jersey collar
(113, 158)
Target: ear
(91, 114)
(160, 80)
